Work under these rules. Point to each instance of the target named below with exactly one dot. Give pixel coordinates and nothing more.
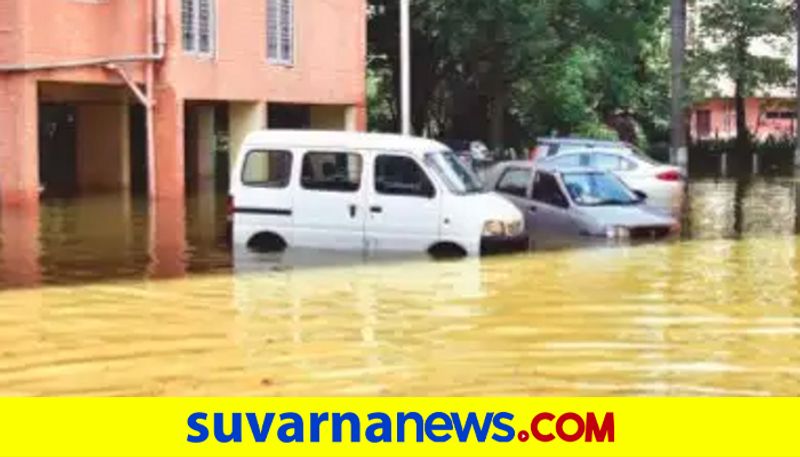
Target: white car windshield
(597, 189)
(459, 178)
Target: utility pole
(405, 66)
(678, 150)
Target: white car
(663, 184)
(364, 192)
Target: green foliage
(380, 106)
(768, 147)
(729, 28)
(596, 130)
(775, 156)
(538, 67)
(729, 31)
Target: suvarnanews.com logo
(401, 427)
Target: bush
(776, 156)
(770, 146)
(596, 131)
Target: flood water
(107, 296)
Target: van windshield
(459, 178)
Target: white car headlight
(515, 228)
(494, 228)
(618, 233)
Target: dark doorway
(703, 123)
(288, 116)
(222, 157)
(58, 175)
(138, 132)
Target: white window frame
(194, 47)
(281, 59)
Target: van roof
(339, 139)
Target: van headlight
(494, 228)
(618, 233)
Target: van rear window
(332, 171)
(267, 169)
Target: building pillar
(167, 238)
(360, 117)
(244, 118)
(103, 149)
(19, 141)
(169, 145)
(20, 249)
(206, 142)
(200, 143)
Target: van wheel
(267, 243)
(443, 251)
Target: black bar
(264, 211)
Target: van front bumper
(504, 244)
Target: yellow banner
(401, 427)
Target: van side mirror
(641, 195)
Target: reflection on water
(718, 314)
(735, 209)
(112, 237)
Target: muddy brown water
(107, 296)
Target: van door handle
(376, 209)
(353, 210)
(533, 209)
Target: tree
(508, 71)
(729, 29)
(678, 57)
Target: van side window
(398, 175)
(332, 171)
(547, 190)
(267, 169)
(515, 182)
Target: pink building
(87, 85)
(767, 117)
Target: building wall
(58, 30)
(328, 70)
(330, 56)
(10, 31)
(330, 47)
(722, 123)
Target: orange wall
(57, 30)
(10, 31)
(80, 28)
(723, 118)
(330, 56)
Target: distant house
(770, 113)
(74, 85)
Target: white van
(370, 192)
